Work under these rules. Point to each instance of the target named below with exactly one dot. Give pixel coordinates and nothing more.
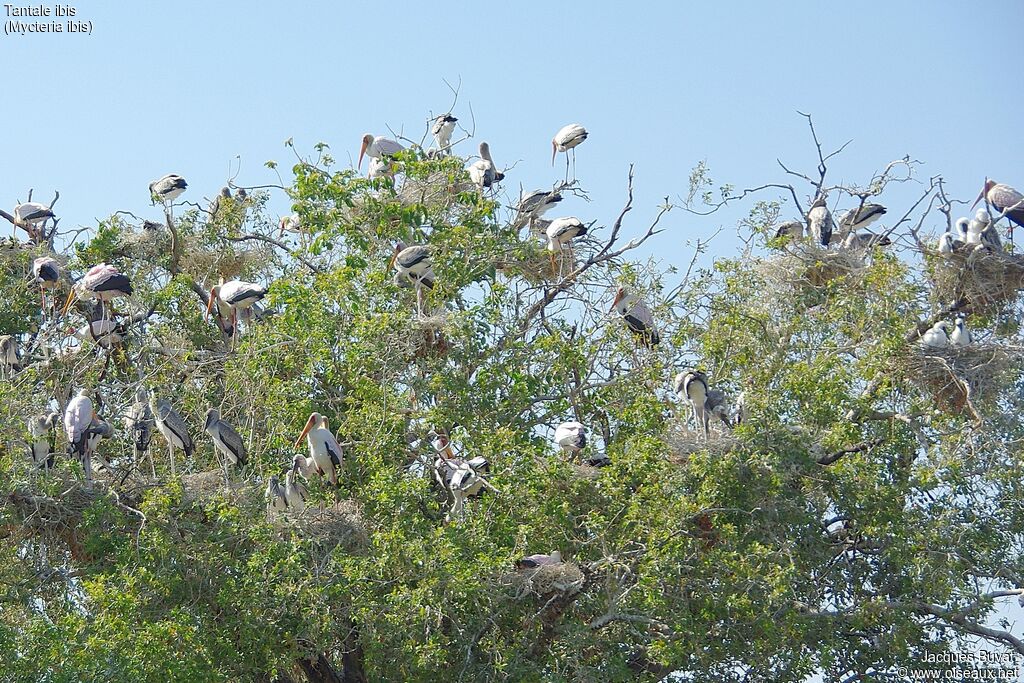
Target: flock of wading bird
(237, 302)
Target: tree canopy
(856, 504)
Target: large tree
(865, 511)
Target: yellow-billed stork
(571, 437)
(415, 265)
(637, 315)
(323, 447)
(377, 147)
(167, 189)
(483, 172)
(538, 560)
(103, 282)
(78, 416)
(568, 138)
(1005, 200)
(860, 217)
(233, 297)
(46, 273)
(533, 205)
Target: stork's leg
(174, 472)
(87, 465)
(567, 166)
(554, 270)
(224, 462)
(419, 299)
(152, 463)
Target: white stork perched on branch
(235, 296)
(30, 216)
(103, 282)
(378, 147)
(637, 315)
(444, 126)
(414, 264)
(561, 232)
(173, 428)
(568, 138)
(323, 447)
(41, 449)
(167, 189)
(45, 273)
(226, 441)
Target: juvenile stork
(637, 315)
(444, 126)
(952, 242)
(10, 355)
(226, 441)
(78, 416)
(46, 274)
(794, 230)
(276, 499)
(539, 560)
(292, 223)
(533, 205)
(936, 336)
(98, 431)
(568, 138)
(235, 296)
(982, 232)
(483, 172)
(571, 437)
(41, 449)
(380, 168)
(1005, 200)
(377, 147)
(173, 429)
(864, 241)
(960, 336)
(820, 220)
(103, 282)
(692, 385)
(295, 493)
(414, 264)
(561, 232)
(304, 466)
(323, 447)
(167, 189)
(139, 424)
(104, 333)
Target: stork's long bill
(554, 151)
(984, 190)
(310, 423)
(209, 304)
(362, 151)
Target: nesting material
(562, 579)
(204, 486)
(959, 378)
(536, 265)
(982, 279)
(807, 264)
(684, 442)
(230, 264)
(340, 525)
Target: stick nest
(959, 378)
(805, 264)
(563, 579)
(981, 279)
(535, 264)
(205, 486)
(341, 525)
(684, 442)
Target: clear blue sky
(186, 86)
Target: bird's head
(214, 295)
(297, 460)
(212, 415)
(620, 296)
(367, 141)
(961, 225)
(989, 184)
(485, 151)
(225, 192)
(399, 246)
(313, 421)
(983, 216)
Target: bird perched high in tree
(637, 315)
